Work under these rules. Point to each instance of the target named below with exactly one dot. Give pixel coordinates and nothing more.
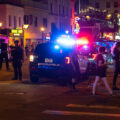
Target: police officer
(75, 68)
(3, 54)
(17, 58)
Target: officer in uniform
(17, 59)
(3, 54)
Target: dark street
(47, 100)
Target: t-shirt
(99, 57)
(17, 53)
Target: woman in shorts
(101, 70)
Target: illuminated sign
(77, 26)
(47, 36)
(16, 32)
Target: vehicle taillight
(67, 60)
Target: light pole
(25, 26)
(42, 30)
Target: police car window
(46, 49)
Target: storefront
(6, 38)
(16, 34)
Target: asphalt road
(50, 101)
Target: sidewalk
(8, 75)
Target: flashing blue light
(66, 31)
(57, 47)
(66, 40)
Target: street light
(1, 24)
(42, 30)
(25, 26)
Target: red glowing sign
(82, 41)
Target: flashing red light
(94, 56)
(67, 60)
(82, 41)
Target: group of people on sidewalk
(101, 68)
(17, 57)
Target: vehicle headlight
(31, 58)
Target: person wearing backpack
(101, 67)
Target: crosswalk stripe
(92, 106)
(69, 113)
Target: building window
(71, 12)
(45, 22)
(59, 10)
(97, 5)
(15, 22)
(67, 11)
(19, 21)
(115, 4)
(10, 21)
(30, 19)
(107, 4)
(51, 8)
(36, 21)
(26, 21)
(63, 11)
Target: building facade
(52, 15)
(111, 6)
(104, 12)
(10, 19)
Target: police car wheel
(34, 79)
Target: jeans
(5, 56)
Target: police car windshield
(46, 49)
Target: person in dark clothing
(101, 70)
(4, 54)
(116, 58)
(75, 68)
(17, 59)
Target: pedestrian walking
(4, 54)
(116, 59)
(17, 59)
(101, 67)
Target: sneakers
(115, 88)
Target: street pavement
(50, 101)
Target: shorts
(101, 72)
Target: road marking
(11, 93)
(92, 106)
(57, 112)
